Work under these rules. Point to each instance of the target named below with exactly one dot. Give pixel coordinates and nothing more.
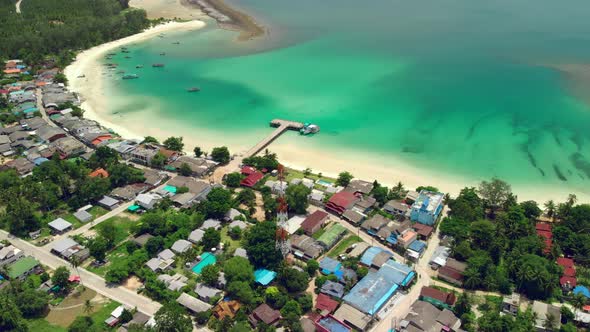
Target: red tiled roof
(545, 234)
(247, 170)
(565, 262)
(102, 138)
(324, 302)
(252, 179)
(423, 230)
(341, 201)
(543, 226)
(444, 297)
(3, 92)
(571, 281)
(451, 273)
(168, 153)
(313, 220)
(569, 272)
(99, 172)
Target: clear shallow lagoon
(453, 86)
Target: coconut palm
(88, 306)
(75, 262)
(550, 208)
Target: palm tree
(307, 171)
(75, 261)
(550, 209)
(549, 323)
(571, 200)
(578, 301)
(88, 306)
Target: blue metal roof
(417, 246)
(582, 290)
(369, 294)
(329, 265)
(333, 325)
(367, 257)
(264, 276)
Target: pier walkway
(282, 126)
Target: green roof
(332, 234)
(22, 266)
(133, 208)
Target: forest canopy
(55, 27)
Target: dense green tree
(185, 169)
(468, 206)
(238, 269)
(312, 267)
(268, 161)
(211, 238)
(210, 275)
(531, 209)
(240, 327)
(10, 317)
(260, 244)
(535, 276)
(494, 192)
(98, 248)
(198, 152)
(174, 143)
(344, 179)
(20, 216)
(60, 277)
(242, 291)
(380, 193)
(159, 160)
(297, 198)
(218, 203)
(108, 232)
(427, 188)
(154, 245)
(291, 311)
(235, 232)
(246, 197)
(220, 155)
(81, 324)
(481, 233)
(295, 281)
(171, 317)
(306, 302)
(233, 180)
(32, 303)
(122, 174)
(150, 140)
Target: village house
(25, 266)
(264, 313)
(21, 165)
(193, 304)
(314, 222)
(108, 203)
(329, 323)
(437, 297)
(49, 134)
(181, 246)
(9, 254)
(396, 208)
(427, 207)
(68, 146)
(59, 226)
(353, 216)
(207, 293)
(511, 304)
(226, 309)
(175, 282)
(68, 248)
(353, 317)
(359, 186)
(341, 202)
(542, 311)
(305, 247)
(452, 272)
(148, 201)
(424, 316)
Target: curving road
(18, 6)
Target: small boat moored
(193, 89)
(139, 66)
(309, 128)
(158, 65)
(130, 76)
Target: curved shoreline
(90, 87)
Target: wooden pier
(282, 126)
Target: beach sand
(168, 9)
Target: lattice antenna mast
(282, 236)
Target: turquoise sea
(456, 86)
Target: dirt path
(259, 214)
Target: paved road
(90, 280)
(40, 107)
(18, 6)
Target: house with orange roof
(99, 172)
(226, 309)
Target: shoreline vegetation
(229, 18)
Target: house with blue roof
(375, 256)
(416, 249)
(330, 266)
(399, 273)
(582, 290)
(264, 276)
(427, 207)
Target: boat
(163, 53)
(130, 76)
(121, 72)
(112, 54)
(139, 66)
(158, 65)
(125, 51)
(309, 128)
(176, 43)
(193, 89)
(127, 57)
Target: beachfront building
(427, 207)
(341, 201)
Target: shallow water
(449, 86)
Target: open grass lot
(95, 211)
(319, 233)
(343, 245)
(112, 256)
(61, 316)
(291, 174)
(123, 225)
(225, 238)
